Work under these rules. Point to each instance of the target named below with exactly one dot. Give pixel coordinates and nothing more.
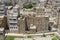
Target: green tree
(28, 6)
(55, 38)
(9, 38)
(8, 4)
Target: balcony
(13, 26)
(12, 17)
(2, 12)
(12, 21)
(1, 8)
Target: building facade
(2, 9)
(13, 19)
(56, 4)
(40, 23)
(21, 25)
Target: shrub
(9, 38)
(34, 9)
(29, 36)
(44, 35)
(55, 38)
(28, 6)
(34, 4)
(8, 4)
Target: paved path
(36, 38)
(39, 38)
(14, 34)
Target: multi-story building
(8, 1)
(33, 24)
(14, 1)
(39, 23)
(2, 9)
(2, 21)
(42, 3)
(21, 25)
(2, 34)
(4, 0)
(56, 4)
(12, 19)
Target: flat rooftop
(17, 6)
(11, 13)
